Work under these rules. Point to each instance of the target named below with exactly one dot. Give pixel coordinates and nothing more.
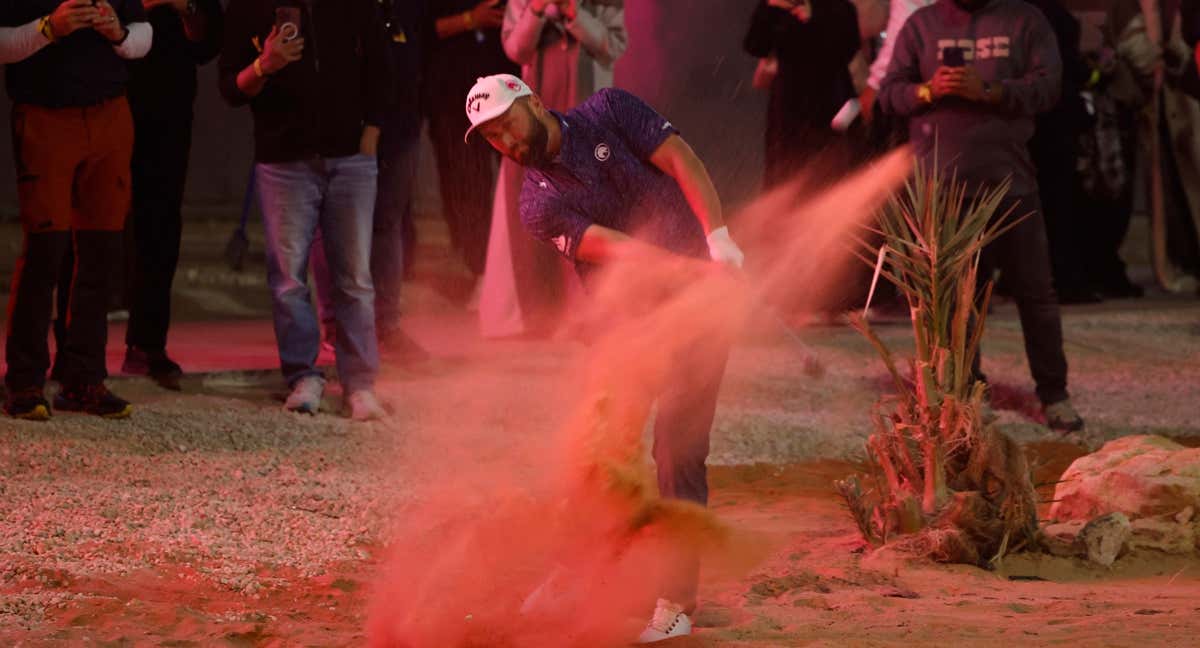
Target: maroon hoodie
(1007, 42)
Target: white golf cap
(491, 96)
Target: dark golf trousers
(686, 407)
(1023, 258)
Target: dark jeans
(162, 142)
(465, 176)
(1022, 256)
(335, 196)
(392, 236)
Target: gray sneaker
(364, 406)
(306, 395)
(1062, 416)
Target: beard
(535, 152)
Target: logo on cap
(475, 101)
(602, 152)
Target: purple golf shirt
(603, 176)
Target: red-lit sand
(213, 518)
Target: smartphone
(954, 57)
(287, 21)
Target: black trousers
(82, 327)
(465, 177)
(1023, 258)
(1069, 229)
(162, 143)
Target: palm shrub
(942, 480)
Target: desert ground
(212, 517)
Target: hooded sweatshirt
(1008, 42)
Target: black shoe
(155, 364)
(92, 399)
(28, 404)
(1079, 296)
(1122, 290)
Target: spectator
(73, 138)
(976, 120)
(898, 13)
(318, 98)
(409, 30)
(467, 47)
(567, 49)
(1149, 37)
(1054, 150)
(813, 42)
(1106, 163)
(162, 89)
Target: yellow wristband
(467, 19)
(258, 68)
(46, 29)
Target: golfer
(601, 178)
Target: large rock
(1153, 481)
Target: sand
(213, 518)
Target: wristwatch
(925, 93)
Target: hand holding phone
(287, 22)
(954, 57)
(279, 51)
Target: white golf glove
(722, 249)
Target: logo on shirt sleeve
(602, 152)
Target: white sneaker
(668, 621)
(364, 406)
(306, 395)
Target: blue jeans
(391, 237)
(335, 196)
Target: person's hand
(278, 54)
(967, 84)
(368, 144)
(945, 82)
(71, 16)
(722, 249)
(107, 23)
(487, 15)
(180, 6)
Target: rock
(1164, 534)
(1060, 539)
(1106, 537)
(1140, 476)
